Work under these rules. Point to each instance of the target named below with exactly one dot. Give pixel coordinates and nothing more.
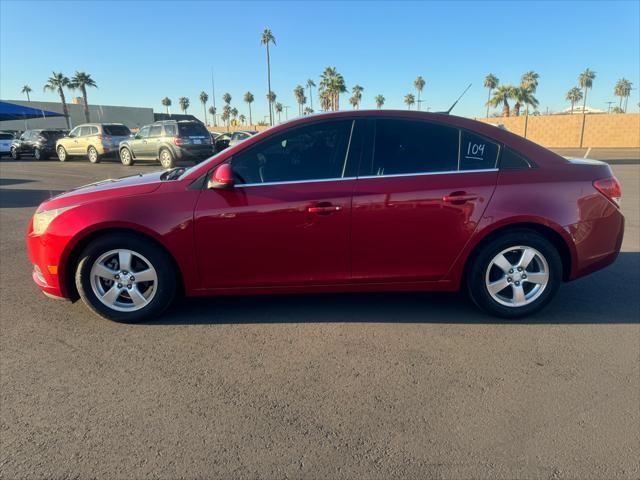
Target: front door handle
(324, 208)
(458, 198)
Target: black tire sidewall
(163, 265)
(475, 280)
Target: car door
(82, 141)
(139, 142)
(23, 146)
(152, 146)
(420, 194)
(286, 220)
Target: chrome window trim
(448, 172)
(337, 179)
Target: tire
(152, 295)
(126, 157)
(166, 159)
(62, 154)
(38, 155)
(92, 155)
(521, 295)
(15, 154)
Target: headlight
(41, 220)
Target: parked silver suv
(93, 140)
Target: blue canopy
(11, 111)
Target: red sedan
(340, 202)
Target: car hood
(120, 187)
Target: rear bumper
(193, 153)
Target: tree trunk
(584, 116)
(516, 109)
(250, 118)
(65, 111)
(505, 109)
(86, 104)
(311, 97)
(488, 99)
(28, 98)
(620, 106)
(269, 84)
(572, 103)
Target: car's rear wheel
(62, 154)
(166, 159)
(125, 278)
(93, 156)
(15, 154)
(126, 158)
(515, 274)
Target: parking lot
(341, 386)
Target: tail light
(610, 188)
(104, 138)
(178, 141)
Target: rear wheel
(126, 158)
(62, 154)
(125, 278)
(92, 153)
(166, 159)
(39, 155)
(15, 154)
(514, 275)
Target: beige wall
(600, 130)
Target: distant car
(93, 140)
(39, 143)
(222, 142)
(168, 141)
(5, 143)
(237, 137)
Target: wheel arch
(72, 256)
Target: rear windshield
(192, 129)
(6, 136)
(116, 130)
(52, 133)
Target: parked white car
(5, 143)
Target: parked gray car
(93, 140)
(168, 141)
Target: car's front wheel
(15, 154)
(92, 153)
(125, 157)
(515, 274)
(125, 278)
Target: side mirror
(222, 177)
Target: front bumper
(47, 273)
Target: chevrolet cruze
(340, 202)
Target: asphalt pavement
(373, 386)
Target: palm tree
(310, 85)
(226, 98)
(379, 101)
(56, 83)
(622, 89)
(585, 80)
(501, 96)
(166, 103)
(490, 82)
(271, 97)
(27, 90)
(266, 39)
(357, 94)
(226, 114)
(353, 101)
(419, 84)
(409, 99)
(574, 95)
(83, 80)
(203, 100)
(212, 112)
(627, 92)
(529, 82)
(278, 108)
(331, 86)
(242, 119)
(308, 110)
(523, 95)
(298, 92)
(234, 113)
(248, 98)
(184, 104)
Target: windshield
(116, 130)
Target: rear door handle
(324, 208)
(458, 198)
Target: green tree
(357, 94)
(529, 85)
(490, 82)
(57, 83)
(203, 100)
(523, 96)
(379, 101)
(331, 86)
(248, 98)
(184, 104)
(310, 85)
(271, 98)
(27, 90)
(298, 93)
(226, 98)
(308, 110)
(234, 113)
(409, 99)
(419, 83)
(501, 96)
(266, 39)
(574, 95)
(166, 103)
(212, 112)
(242, 119)
(82, 80)
(226, 115)
(585, 80)
(353, 101)
(279, 107)
(622, 89)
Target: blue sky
(139, 52)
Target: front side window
(143, 133)
(476, 152)
(314, 152)
(75, 132)
(409, 146)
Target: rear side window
(6, 136)
(511, 160)
(116, 130)
(407, 146)
(192, 129)
(170, 130)
(84, 131)
(52, 133)
(93, 130)
(476, 152)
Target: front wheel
(515, 274)
(92, 153)
(125, 157)
(15, 155)
(125, 278)
(62, 154)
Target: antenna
(455, 103)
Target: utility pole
(213, 98)
(609, 106)
(286, 112)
